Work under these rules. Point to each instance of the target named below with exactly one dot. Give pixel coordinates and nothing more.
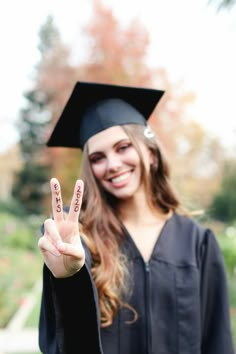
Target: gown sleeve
(69, 318)
(216, 335)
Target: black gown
(180, 295)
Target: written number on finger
(77, 200)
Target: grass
(33, 318)
(20, 261)
(18, 271)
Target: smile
(120, 178)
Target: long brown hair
(103, 229)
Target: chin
(123, 194)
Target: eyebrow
(113, 146)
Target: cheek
(134, 158)
(98, 171)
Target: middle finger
(76, 202)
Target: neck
(134, 209)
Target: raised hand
(61, 244)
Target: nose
(113, 163)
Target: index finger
(76, 201)
(57, 206)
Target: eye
(124, 146)
(95, 159)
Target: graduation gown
(180, 296)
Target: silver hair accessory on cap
(148, 132)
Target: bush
(20, 261)
(19, 269)
(227, 242)
(19, 232)
(223, 206)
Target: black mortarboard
(93, 107)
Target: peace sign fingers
(76, 202)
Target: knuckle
(41, 242)
(48, 222)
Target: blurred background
(186, 48)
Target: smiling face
(116, 163)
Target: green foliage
(232, 299)
(227, 242)
(49, 35)
(29, 187)
(19, 270)
(233, 325)
(223, 206)
(13, 208)
(20, 261)
(223, 4)
(19, 232)
(33, 320)
(33, 125)
(29, 182)
(232, 292)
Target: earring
(148, 132)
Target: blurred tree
(223, 206)
(34, 122)
(227, 3)
(223, 4)
(114, 54)
(197, 165)
(117, 54)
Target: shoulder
(185, 239)
(189, 228)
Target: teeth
(120, 178)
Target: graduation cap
(94, 107)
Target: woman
(134, 275)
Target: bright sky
(193, 42)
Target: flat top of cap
(85, 95)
